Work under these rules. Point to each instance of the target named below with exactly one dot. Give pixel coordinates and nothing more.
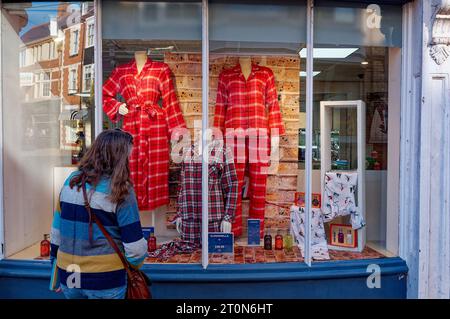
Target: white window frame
(23, 58)
(39, 53)
(74, 45)
(47, 56)
(88, 70)
(52, 50)
(90, 38)
(36, 77)
(71, 81)
(43, 82)
(35, 54)
(84, 8)
(2, 227)
(39, 82)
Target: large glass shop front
(151, 73)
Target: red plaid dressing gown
(223, 191)
(249, 104)
(150, 125)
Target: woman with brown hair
(84, 263)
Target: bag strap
(105, 232)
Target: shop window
(155, 47)
(256, 86)
(257, 58)
(45, 131)
(356, 125)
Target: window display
(255, 87)
(355, 92)
(151, 71)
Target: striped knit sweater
(98, 264)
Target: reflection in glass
(47, 112)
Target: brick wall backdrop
(281, 186)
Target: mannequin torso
(246, 66)
(141, 58)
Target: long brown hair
(108, 157)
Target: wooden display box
(342, 235)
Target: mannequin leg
(259, 149)
(257, 192)
(237, 223)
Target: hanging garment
(319, 247)
(150, 125)
(247, 104)
(378, 128)
(339, 197)
(222, 188)
(250, 105)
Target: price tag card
(146, 231)
(220, 243)
(254, 227)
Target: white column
(434, 234)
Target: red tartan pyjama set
(252, 105)
(150, 124)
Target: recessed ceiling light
(329, 53)
(364, 62)
(303, 73)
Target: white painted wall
(425, 163)
(410, 142)
(434, 253)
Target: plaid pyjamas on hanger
(250, 105)
(150, 124)
(223, 191)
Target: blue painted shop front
(331, 279)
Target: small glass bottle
(377, 166)
(45, 247)
(340, 236)
(288, 241)
(268, 242)
(349, 238)
(278, 241)
(151, 242)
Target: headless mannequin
(141, 59)
(225, 226)
(246, 66)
